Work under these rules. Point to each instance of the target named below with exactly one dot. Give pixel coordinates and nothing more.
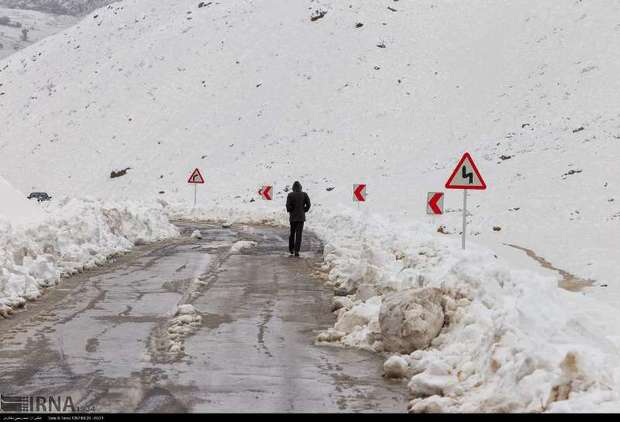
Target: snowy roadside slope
(70, 236)
(256, 92)
(14, 206)
(512, 341)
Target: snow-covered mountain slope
(254, 92)
(14, 206)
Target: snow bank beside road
(75, 234)
(511, 340)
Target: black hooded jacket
(297, 203)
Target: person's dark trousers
(294, 240)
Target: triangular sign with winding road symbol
(466, 175)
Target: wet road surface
(107, 337)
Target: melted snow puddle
(569, 281)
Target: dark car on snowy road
(39, 196)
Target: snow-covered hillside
(257, 91)
(14, 206)
(163, 87)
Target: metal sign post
(464, 216)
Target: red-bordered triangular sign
(466, 175)
(196, 177)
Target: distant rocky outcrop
(57, 7)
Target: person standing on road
(297, 205)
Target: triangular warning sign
(196, 177)
(466, 175)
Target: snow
(529, 88)
(359, 315)
(241, 245)
(186, 309)
(185, 322)
(411, 319)
(395, 367)
(497, 80)
(72, 235)
(508, 330)
(15, 208)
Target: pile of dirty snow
(72, 235)
(186, 320)
(241, 245)
(507, 341)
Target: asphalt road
(103, 337)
